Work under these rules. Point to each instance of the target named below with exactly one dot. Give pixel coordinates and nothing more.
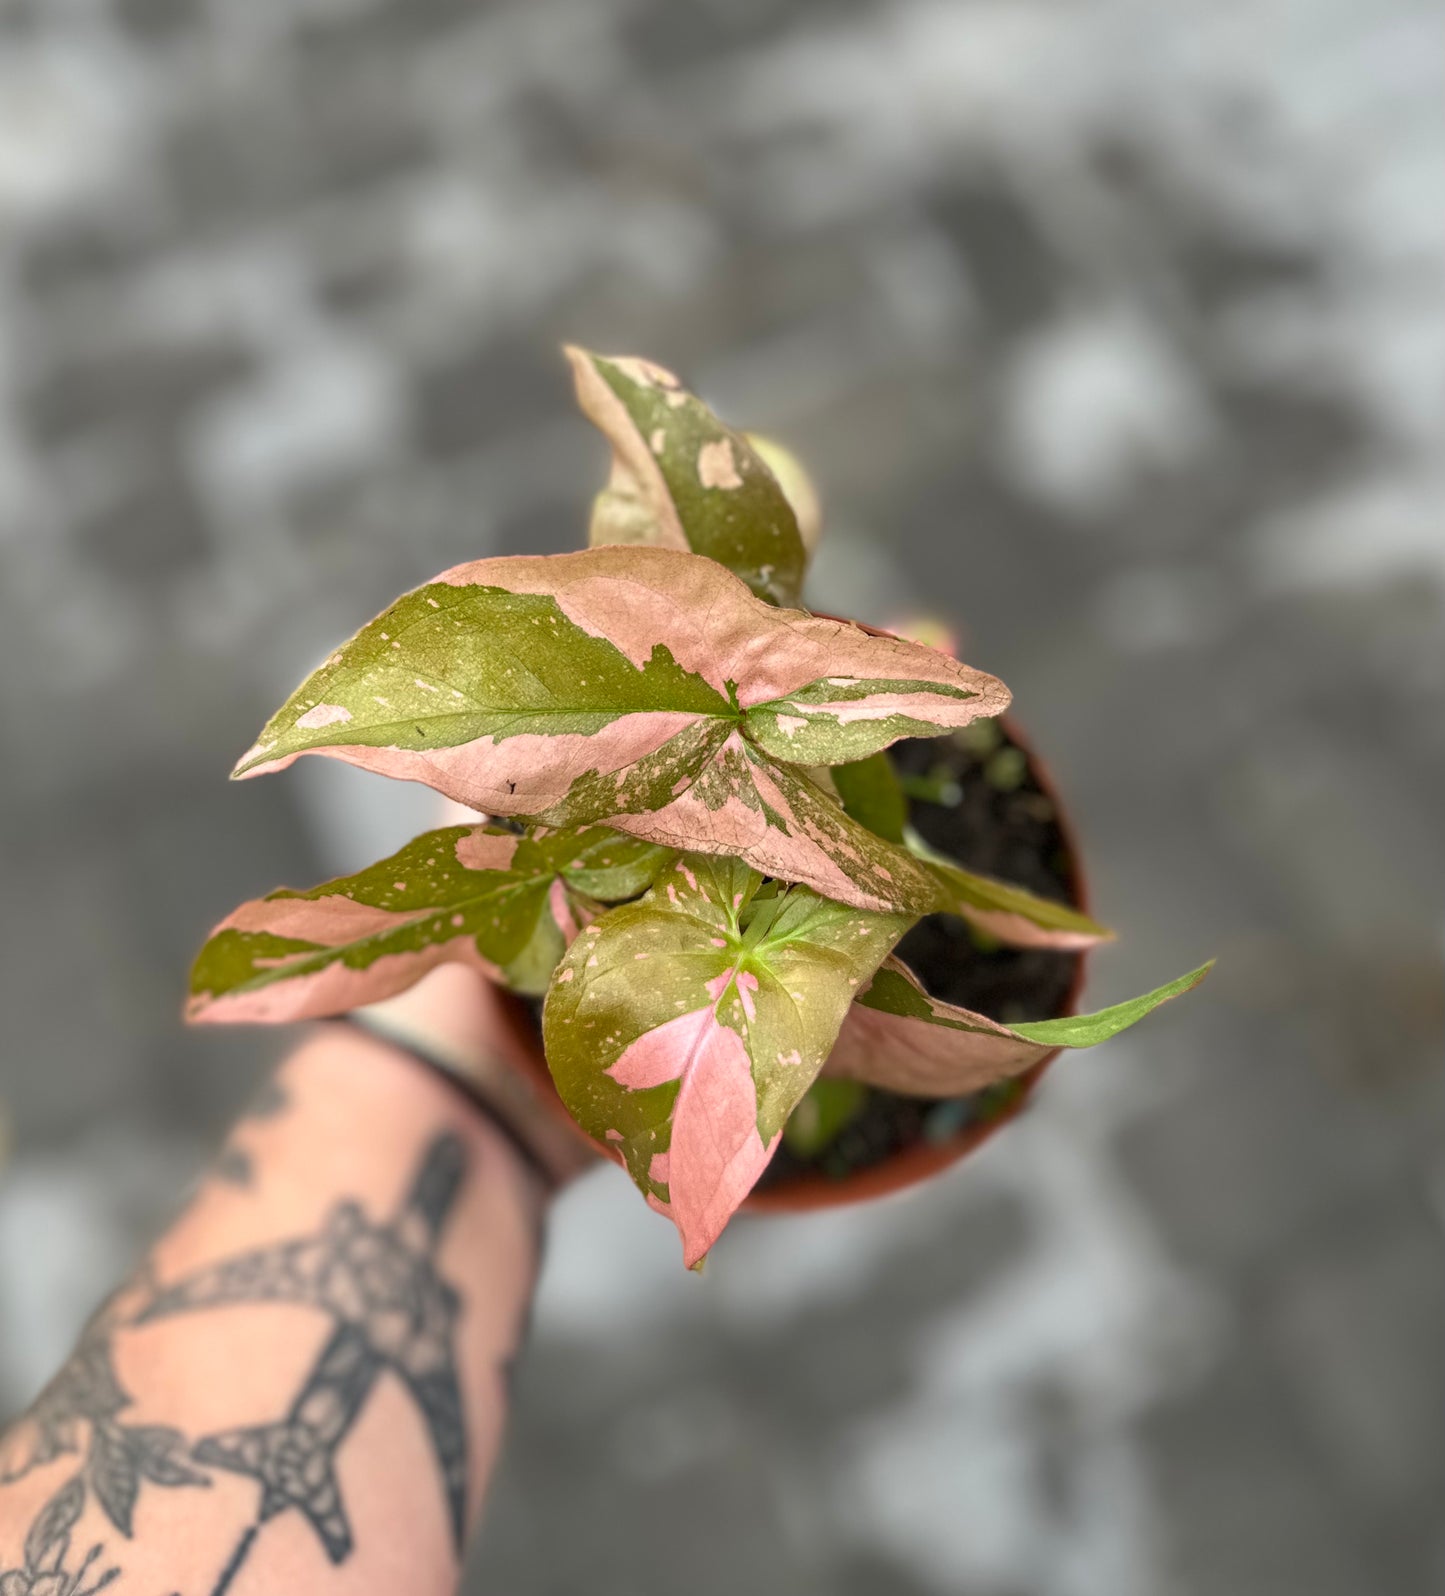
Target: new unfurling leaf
(477, 895)
(682, 1029)
(896, 1036)
(643, 688)
(682, 480)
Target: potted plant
(712, 819)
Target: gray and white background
(1112, 328)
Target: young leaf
(682, 480)
(507, 905)
(1012, 914)
(825, 1111)
(872, 794)
(683, 1029)
(577, 688)
(898, 1037)
(798, 488)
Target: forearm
(303, 1389)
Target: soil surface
(992, 815)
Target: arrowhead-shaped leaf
(896, 1036)
(872, 794)
(601, 686)
(683, 1029)
(682, 480)
(507, 905)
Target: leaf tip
(193, 1009)
(249, 762)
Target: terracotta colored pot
(908, 1166)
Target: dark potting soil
(988, 811)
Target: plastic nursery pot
(1044, 984)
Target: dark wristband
(463, 1087)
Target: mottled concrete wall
(1112, 328)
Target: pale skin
(303, 1388)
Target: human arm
(304, 1386)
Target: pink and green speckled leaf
(604, 686)
(682, 480)
(776, 817)
(477, 895)
(683, 1029)
(896, 1036)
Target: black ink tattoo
(271, 1101)
(85, 1399)
(379, 1282)
(392, 1311)
(233, 1165)
(46, 1569)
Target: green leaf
(1088, 1030)
(798, 487)
(898, 1037)
(477, 895)
(1008, 913)
(683, 480)
(826, 1110)
(873, 796)
(683, 1029)
(643, 688)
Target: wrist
(456, 1026)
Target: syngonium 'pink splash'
(683, 1029)
(714, 858)
(645, 688)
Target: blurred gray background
(1114, 329)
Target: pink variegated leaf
(601, 686)
(896, 1036)
(476, 895)
(683, 1029)
(777, 819)
(682, 480)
